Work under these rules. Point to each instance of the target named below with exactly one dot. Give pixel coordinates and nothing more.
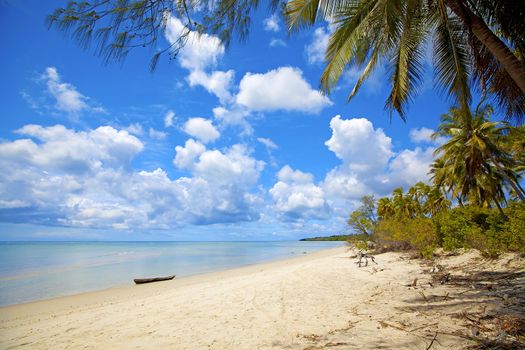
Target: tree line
(475, 199)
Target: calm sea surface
(32, 271)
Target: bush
(403, 234)
(483, 229)
(514, 228)
(358, 241)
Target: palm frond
(407, 66)
(451, 57)
(351, 42)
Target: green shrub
(402, 234)
(514, 228)
(483, 229)
(359, 241)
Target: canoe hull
(154, 279)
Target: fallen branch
(424, 326)
(432, 342)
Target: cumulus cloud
(362, 148)
(62, 149)
(424, 135)
(369, 165)
(168, 119)
(59, 176)
(202, 129)
(281, 89)
(218, 83)
(185, 155)
(271, 24)
(296, 197)
(316, 49)
(200, 54)
(236, 115)
(421, 135)
(411, 166)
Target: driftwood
(363, 255)
(154, 279)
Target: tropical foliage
(477, 40)
(479, 158)
(479, 167)
(468, 226)
(364, 218)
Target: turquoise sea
(32, 271)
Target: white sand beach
(317, 301)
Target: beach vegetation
(328, 238)
(364, 218)
(475, 200)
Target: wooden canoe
(154, 279)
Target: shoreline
(132, 289)
(317, 301)
(90, 269)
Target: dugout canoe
(154, 279)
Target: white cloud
(277, 42)
(410, 166)
(202, 129)
(61, 98)
(156, 134)
(168, 119)
(199, 52)
(271, 24)
(83, 179)
(185, 156)
(362, 148)
(68, 99)
(234, 116)
(424, 135)
(296, 197)
(268, 143)
(135, 129)
(369, 164)
(315, 51)
(218, 83)
(283, 88)
(62, 149)
(421, 135)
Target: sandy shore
(319, 301)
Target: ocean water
(32, 271)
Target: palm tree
(385, 208)
(465, 45)
(472, 165)
(436, 202)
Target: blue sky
(218, 144)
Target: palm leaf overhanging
(369, 32)
(475, 42)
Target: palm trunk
(482, 32)
(499, 208)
